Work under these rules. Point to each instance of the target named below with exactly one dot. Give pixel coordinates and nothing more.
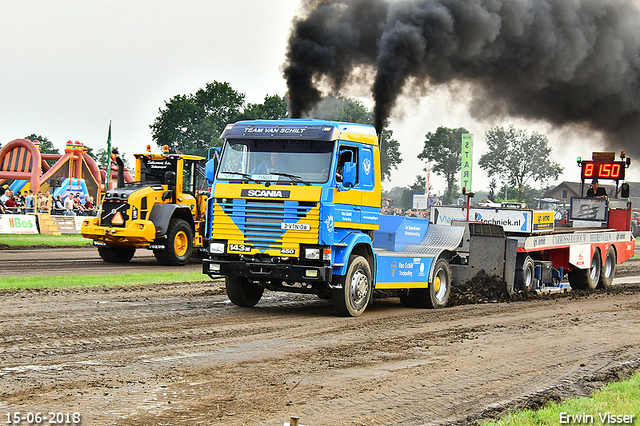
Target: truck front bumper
(137, 233)
(267, 271)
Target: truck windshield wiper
(294, 178)
(244, 175)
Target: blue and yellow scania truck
(295, 207)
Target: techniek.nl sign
(510, 220)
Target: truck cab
(292, 202)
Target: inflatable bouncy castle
(74, 171)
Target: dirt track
(181, 354)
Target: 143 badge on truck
(240, 247)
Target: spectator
(29, 202)
(45, 205)
(58, 205)
(2, 209)
(3, 193)
(12, 205)
(69, 205)
(78, 207)
(89, 207)
(6, 195)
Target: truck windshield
(284, 160)
(153, 170)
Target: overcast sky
(68, 67)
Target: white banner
(18, 224)
(511, 220)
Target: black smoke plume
(562, 61)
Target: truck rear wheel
(352, 299)
(242, 292)
(587, 279)
(116, 254)
(178, 245)
(525, 275)
(608, 271)
(437, 295)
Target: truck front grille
(261, 221)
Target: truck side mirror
(624, 190)
(349, 175)
(210, 171)
(170, 180)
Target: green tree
(273, 108)
(338, 108)
(529, 195)
(492, 189)
(46, 146)
(518, 157)
(444, 148)
(193, 123)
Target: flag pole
(108, 165)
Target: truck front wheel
(352, 299)
(178, 245)
(116, 254)
(242, 292)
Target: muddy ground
(183, 355)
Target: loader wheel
(116, 254)
(587, 279)
(608, 271)
(525, 275)
(437, 295)
(242, 292)
(352, 299)
(178, 245)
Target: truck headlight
(216, 248)
(312, 253)
(214, 267)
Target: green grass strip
(37, 239)
(111, 280)
(616, 399)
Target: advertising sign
(420, 201)
(67, 224)
(590, 209)
(543, 220)
(511, 220)
(18, 224)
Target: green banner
(466, 171)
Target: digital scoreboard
(603, 170)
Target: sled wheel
(525, 275)
(587, 279)
(608, 271)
